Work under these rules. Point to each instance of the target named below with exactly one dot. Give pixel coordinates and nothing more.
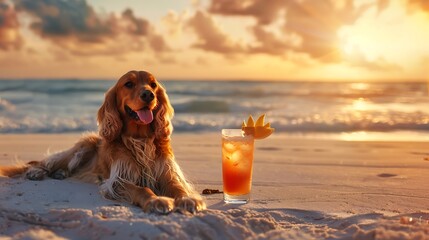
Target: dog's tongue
(145, 116)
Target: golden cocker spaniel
(131, 157)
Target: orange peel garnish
(258, 129)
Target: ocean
(65, 106)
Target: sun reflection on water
(397, 136)
(360, 86)
(361, 104)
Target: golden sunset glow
(253, 40)
(360, 104)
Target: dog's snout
(147, 96)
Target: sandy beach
(344, 83)
(303, 188)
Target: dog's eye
(153, 85)
(129, 84)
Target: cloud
(380, 64)
(382, 5)
(308, 27)
(210, 36)
(158, 43)
(421, 4)
(265, 11)
(136, 26)
(10, 37)
(270, 43)
(142, 27)
(77, 28)
(174, 23)
(56, 19)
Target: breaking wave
(42, 106)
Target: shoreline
(379, 136)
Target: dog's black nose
(147, 96)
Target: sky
(326, 40)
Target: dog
(131, 156)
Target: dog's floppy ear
(109, 121)
(163, 115)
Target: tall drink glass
(237, 160)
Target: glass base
(236, 199)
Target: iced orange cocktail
(237, 160)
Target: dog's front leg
(119, 187)
(190, 204)
(175, 185)
(149, 201)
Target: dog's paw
(60, 174)
(159, 205)
(189, 204)
(36, 173)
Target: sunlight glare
(359, 86)
(360, 104)
(355, 136)
(358, 42)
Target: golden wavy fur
(131, 157)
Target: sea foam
(57, 106)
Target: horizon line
(410, 80)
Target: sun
(395, 36)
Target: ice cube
(246, 149)
(230, 147)
(239, 161)
(236, 157)
(226, 154)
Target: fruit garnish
(250, 121)
(259, 130)
(260, 121)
